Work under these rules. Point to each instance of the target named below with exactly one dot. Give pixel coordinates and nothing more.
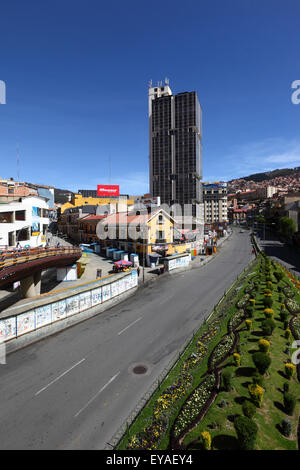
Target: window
(20, 215)
(22, 235)
(6, 217)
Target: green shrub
(268, 326)
(249, 409)
(268, 301)
(278, 275)
(249, 311)
(246, 431)
(226, 382)
(283, 315)
(264, 345)
(257, 379)
(286, 426)
(287, 334)
(262, 361)
(289, 370)
(289, 401)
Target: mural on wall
(96, 296)
(115, 288)
(122, 286)
(28, 321)
(8, 328)
(106, 292)
(43, 316)
(85, 300)
(72, 305)
(178, 262)
(25, 322)
(59, 310)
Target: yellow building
(140, 233)
(80, 200)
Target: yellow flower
(206, 440)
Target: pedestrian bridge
(26, 265)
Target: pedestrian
(138, 270)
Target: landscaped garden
(235, 386)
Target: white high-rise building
(215, 202)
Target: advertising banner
(108, 190)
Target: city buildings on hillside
(24, 220)
(11, 190)
(285, 183)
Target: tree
(246, 430)
(262, 362)
(287, 227)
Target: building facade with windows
(175, 156)
(24, 220)
(215, 202)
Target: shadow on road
(274, 247)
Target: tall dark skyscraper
(175, 146)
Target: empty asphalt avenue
(73, 390)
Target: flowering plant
(256, 393)
(206, 440)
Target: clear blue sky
(77, 77)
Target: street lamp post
(145, 247)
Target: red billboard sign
(107, 190)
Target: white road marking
(59, 377)
(122, 331)
(98, 393)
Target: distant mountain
(269, 175)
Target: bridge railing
(14, 257)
